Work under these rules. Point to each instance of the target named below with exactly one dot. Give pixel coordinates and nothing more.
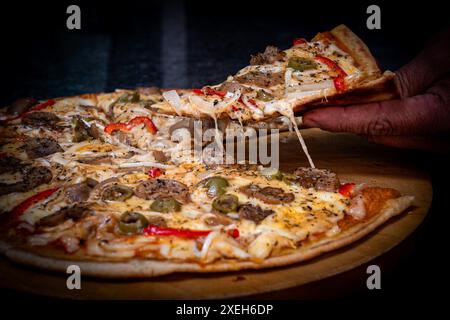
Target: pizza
(110, 181)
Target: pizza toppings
(230, 86)
(80, 192)
(339, 79)
(181, 233)
(261, 79)
(156, 188)
(20, 106)
(126, 127)
(225, 203)
(75, 213)
(18, 210)
(269, 56)
(215, 186)
(10, 164)
(264, 96)
(319, 179)
(346, 189)
(254, 213)
(165, 205)
(268, 195)
(41, 147)
(41, 119)
(132, 223)
(301, 64)
(116, 192)
(32, 177)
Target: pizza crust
(137, 268)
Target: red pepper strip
(183, 233)
(154, 172)
(43, 105)
(346, 189)
(18, 210)
(198, 91)
(299, 41)
(37, 107)
(143, 120)
(212, 91)
(339, 81)
(125, 127)
(110, 128)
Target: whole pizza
(111, 181)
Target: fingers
(417, 115)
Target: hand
(414, 121)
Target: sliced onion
(173, 98)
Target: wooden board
(350, 156)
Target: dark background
(189, 44)
(124, 44)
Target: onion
(173, 98)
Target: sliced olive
(132, 97)
(301, 64)
(264, 96)
(216, 186)
(226, 203)
(272, 173)
(117, 193)
(165, 205)
(132, 223)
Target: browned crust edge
(149, 268)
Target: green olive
(226, 203)
(216, 185)
(301, 64)
(132, 223)
(132, 97)
(117, 193)
(272, 173)
(165, 205)
(264, 96)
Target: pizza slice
(335, 67)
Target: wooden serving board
(350, 156)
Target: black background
(120, 45)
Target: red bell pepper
(154, 172)
(143, 120)
(346, 189)
(234, 233)
(43, 105)
(209, 91)
(18, 210)
(125, 127)
(339, 80)
(37, 107)
(299, 41)
(182, 233)
(198, 91)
